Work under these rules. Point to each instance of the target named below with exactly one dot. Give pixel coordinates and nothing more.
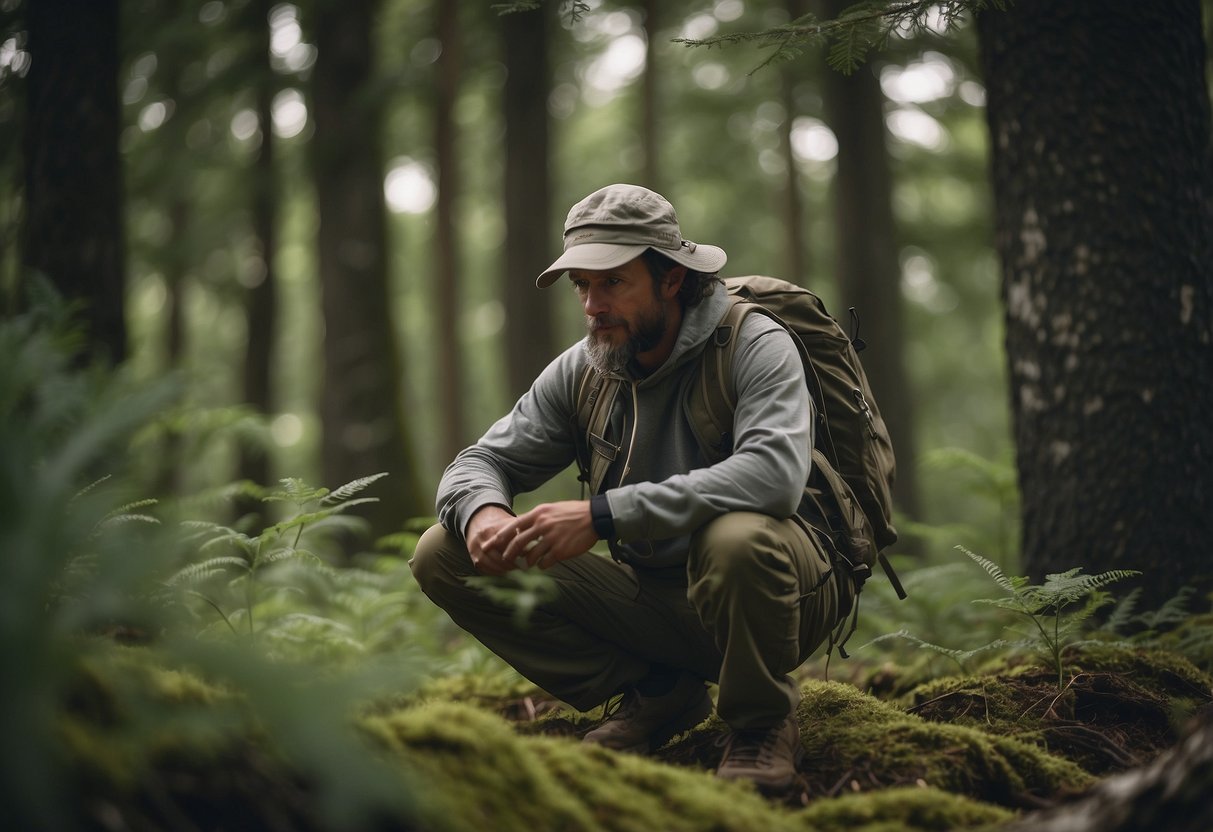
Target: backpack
(850, 483)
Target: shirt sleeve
(521, 451)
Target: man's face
(625, 315)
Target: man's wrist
(600, 517)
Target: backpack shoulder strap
(713, 399)
(595, 396)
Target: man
(712, 577)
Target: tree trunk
(869, 274)
(447, 281)
(529, 230)
(361, 400)
(1104, 205)
(261, 301)
(650, 145)
(73, 174)
(795, 256)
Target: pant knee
(728, 546)
(435, 560)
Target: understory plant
(1058, 611)
(230, 578)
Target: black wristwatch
(600, 516)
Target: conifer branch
(854, 33)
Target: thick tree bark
(361, 400)
(869, 273)
(1099, 123)
(447, 281)
(529, 229)
(72, 228)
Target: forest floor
(473, 753)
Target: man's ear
(673, 282)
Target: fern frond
(200, 528)
(119, 519)
(92, 485)
(958, 656)
(311, 517)
(1173, 611)
(290, 553)
(129, 507)
(295, 490)
(197, 573)
(242, 542)
(1122, 613)
(351, 488)
(993, 570)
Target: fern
(275, 547)
(1044, 605)
(960, 657)
(348, 490)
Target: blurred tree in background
(72, 229)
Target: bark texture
(1099, 123)
(72, 228)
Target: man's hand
(545, 535)
(480, 531)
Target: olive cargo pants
(756, 598)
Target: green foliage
(572, 9)
(1044, 605)
(232, 582)
(855, 33)
(67, 530)
(990, 481)
(1056, 624)
(523, 590)
(85, 563)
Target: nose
(595, 302)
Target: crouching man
(712, 577)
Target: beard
(642, 335)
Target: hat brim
(602, 256)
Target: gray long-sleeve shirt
(669, 490)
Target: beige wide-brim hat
(616, 224)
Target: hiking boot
(643, 724)
(766, 757)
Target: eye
(580, 286)
(614, 281)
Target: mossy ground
(495, 753)
(1120, 707)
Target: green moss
(893, 810)
(853, 738)
(475, 772)
(1121, 706)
